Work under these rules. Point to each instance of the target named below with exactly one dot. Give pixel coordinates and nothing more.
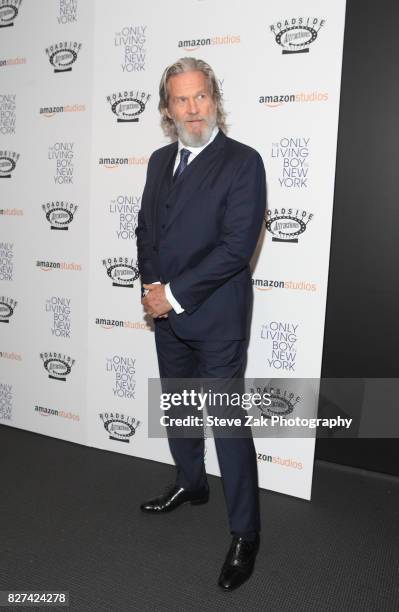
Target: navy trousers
(179, 358)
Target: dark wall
(361, 334)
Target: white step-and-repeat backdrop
(78, 122)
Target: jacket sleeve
(143, 235)
(242, 222)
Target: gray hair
(188, 64)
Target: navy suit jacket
(199, 234)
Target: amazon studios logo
(46, 412)
(59, 214)
(7, 307)
(57, 365)
(120, 427)
(194, 43)
(8, 161)
(287, 224)
(297, 34)
(122, 271)
(132, 40)
(9, 10)
(293, 155)
(282, 401)
(129, 105)
(266, 284)
(62, 55)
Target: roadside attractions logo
(59, 214)
(9, 10)
(195, 43)
(132, 39)
(129, 105)
(287, 224)
(8, 162)
(295, 35)
(282, 402)
(120, 427)
(63, 55)
(293, 155)
(7, 308)
(122, 270)
(57, 365)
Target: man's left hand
(155, 302)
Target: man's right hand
(145, 291)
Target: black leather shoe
(173, 497)
(239, 563)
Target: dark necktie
(184, 155)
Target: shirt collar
(196, 150)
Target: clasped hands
(155, 303)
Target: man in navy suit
(202, 211)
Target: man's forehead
(185, 81)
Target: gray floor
(69, 520)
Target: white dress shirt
(194, 152)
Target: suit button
(167, 206)
(154, 248)
(163, 225)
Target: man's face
(191, 107)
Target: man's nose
(192, 106)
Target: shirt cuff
(172, 301)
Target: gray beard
(195, 140)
